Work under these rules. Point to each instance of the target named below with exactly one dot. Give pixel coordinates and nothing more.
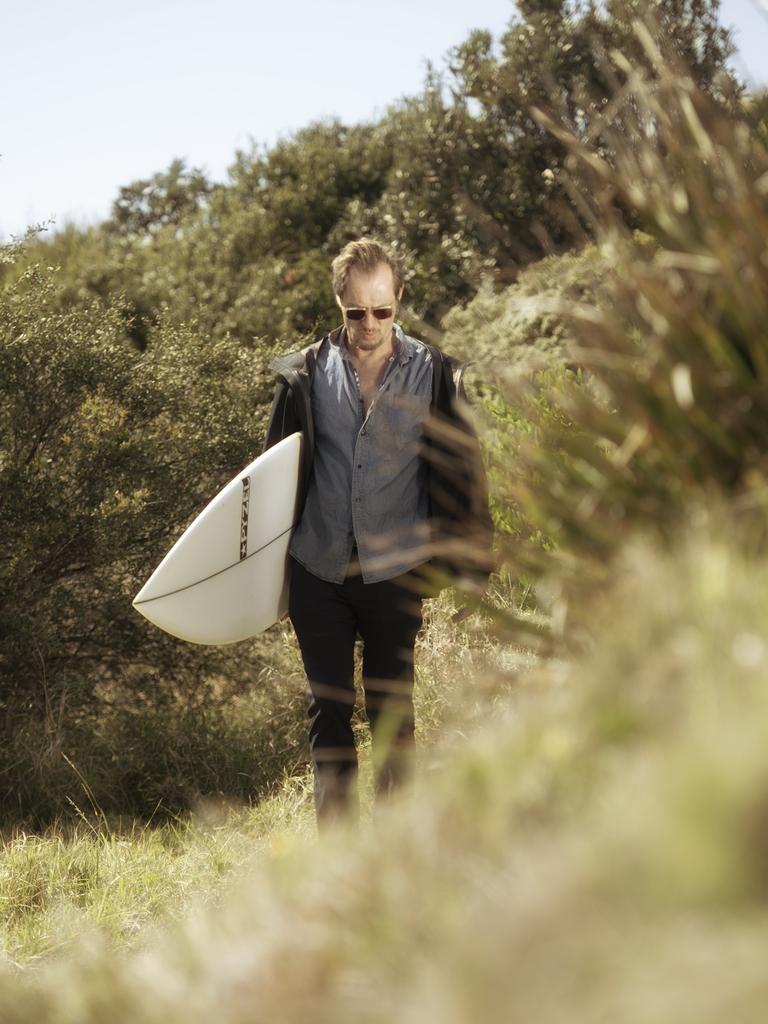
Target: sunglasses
(358, 313)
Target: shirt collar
(404, 347)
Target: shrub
(105, 454)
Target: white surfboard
(225, 578)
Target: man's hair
(365, 254)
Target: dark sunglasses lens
(380, 312)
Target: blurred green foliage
(658, 411)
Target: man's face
(370, 291)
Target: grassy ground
(118, 880)
(71, 880)
(594, 849)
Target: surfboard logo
(246, 481)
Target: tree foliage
(164, 200)
(105, 453)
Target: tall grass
(157, 755)
(658, 407)
(117, 877)
(596, 849)
(95, 882)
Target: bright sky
(96, 94)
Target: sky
(96, 94)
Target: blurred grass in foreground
(597, 849)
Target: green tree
(554, 56)
(689, 30)
(148, 206)
(105, 454)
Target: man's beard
(369, 344)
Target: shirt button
(359, 465)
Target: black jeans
(327, 618)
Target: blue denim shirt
(368, 484)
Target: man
(384, 483)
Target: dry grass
(595, 848)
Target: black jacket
(461, 525)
